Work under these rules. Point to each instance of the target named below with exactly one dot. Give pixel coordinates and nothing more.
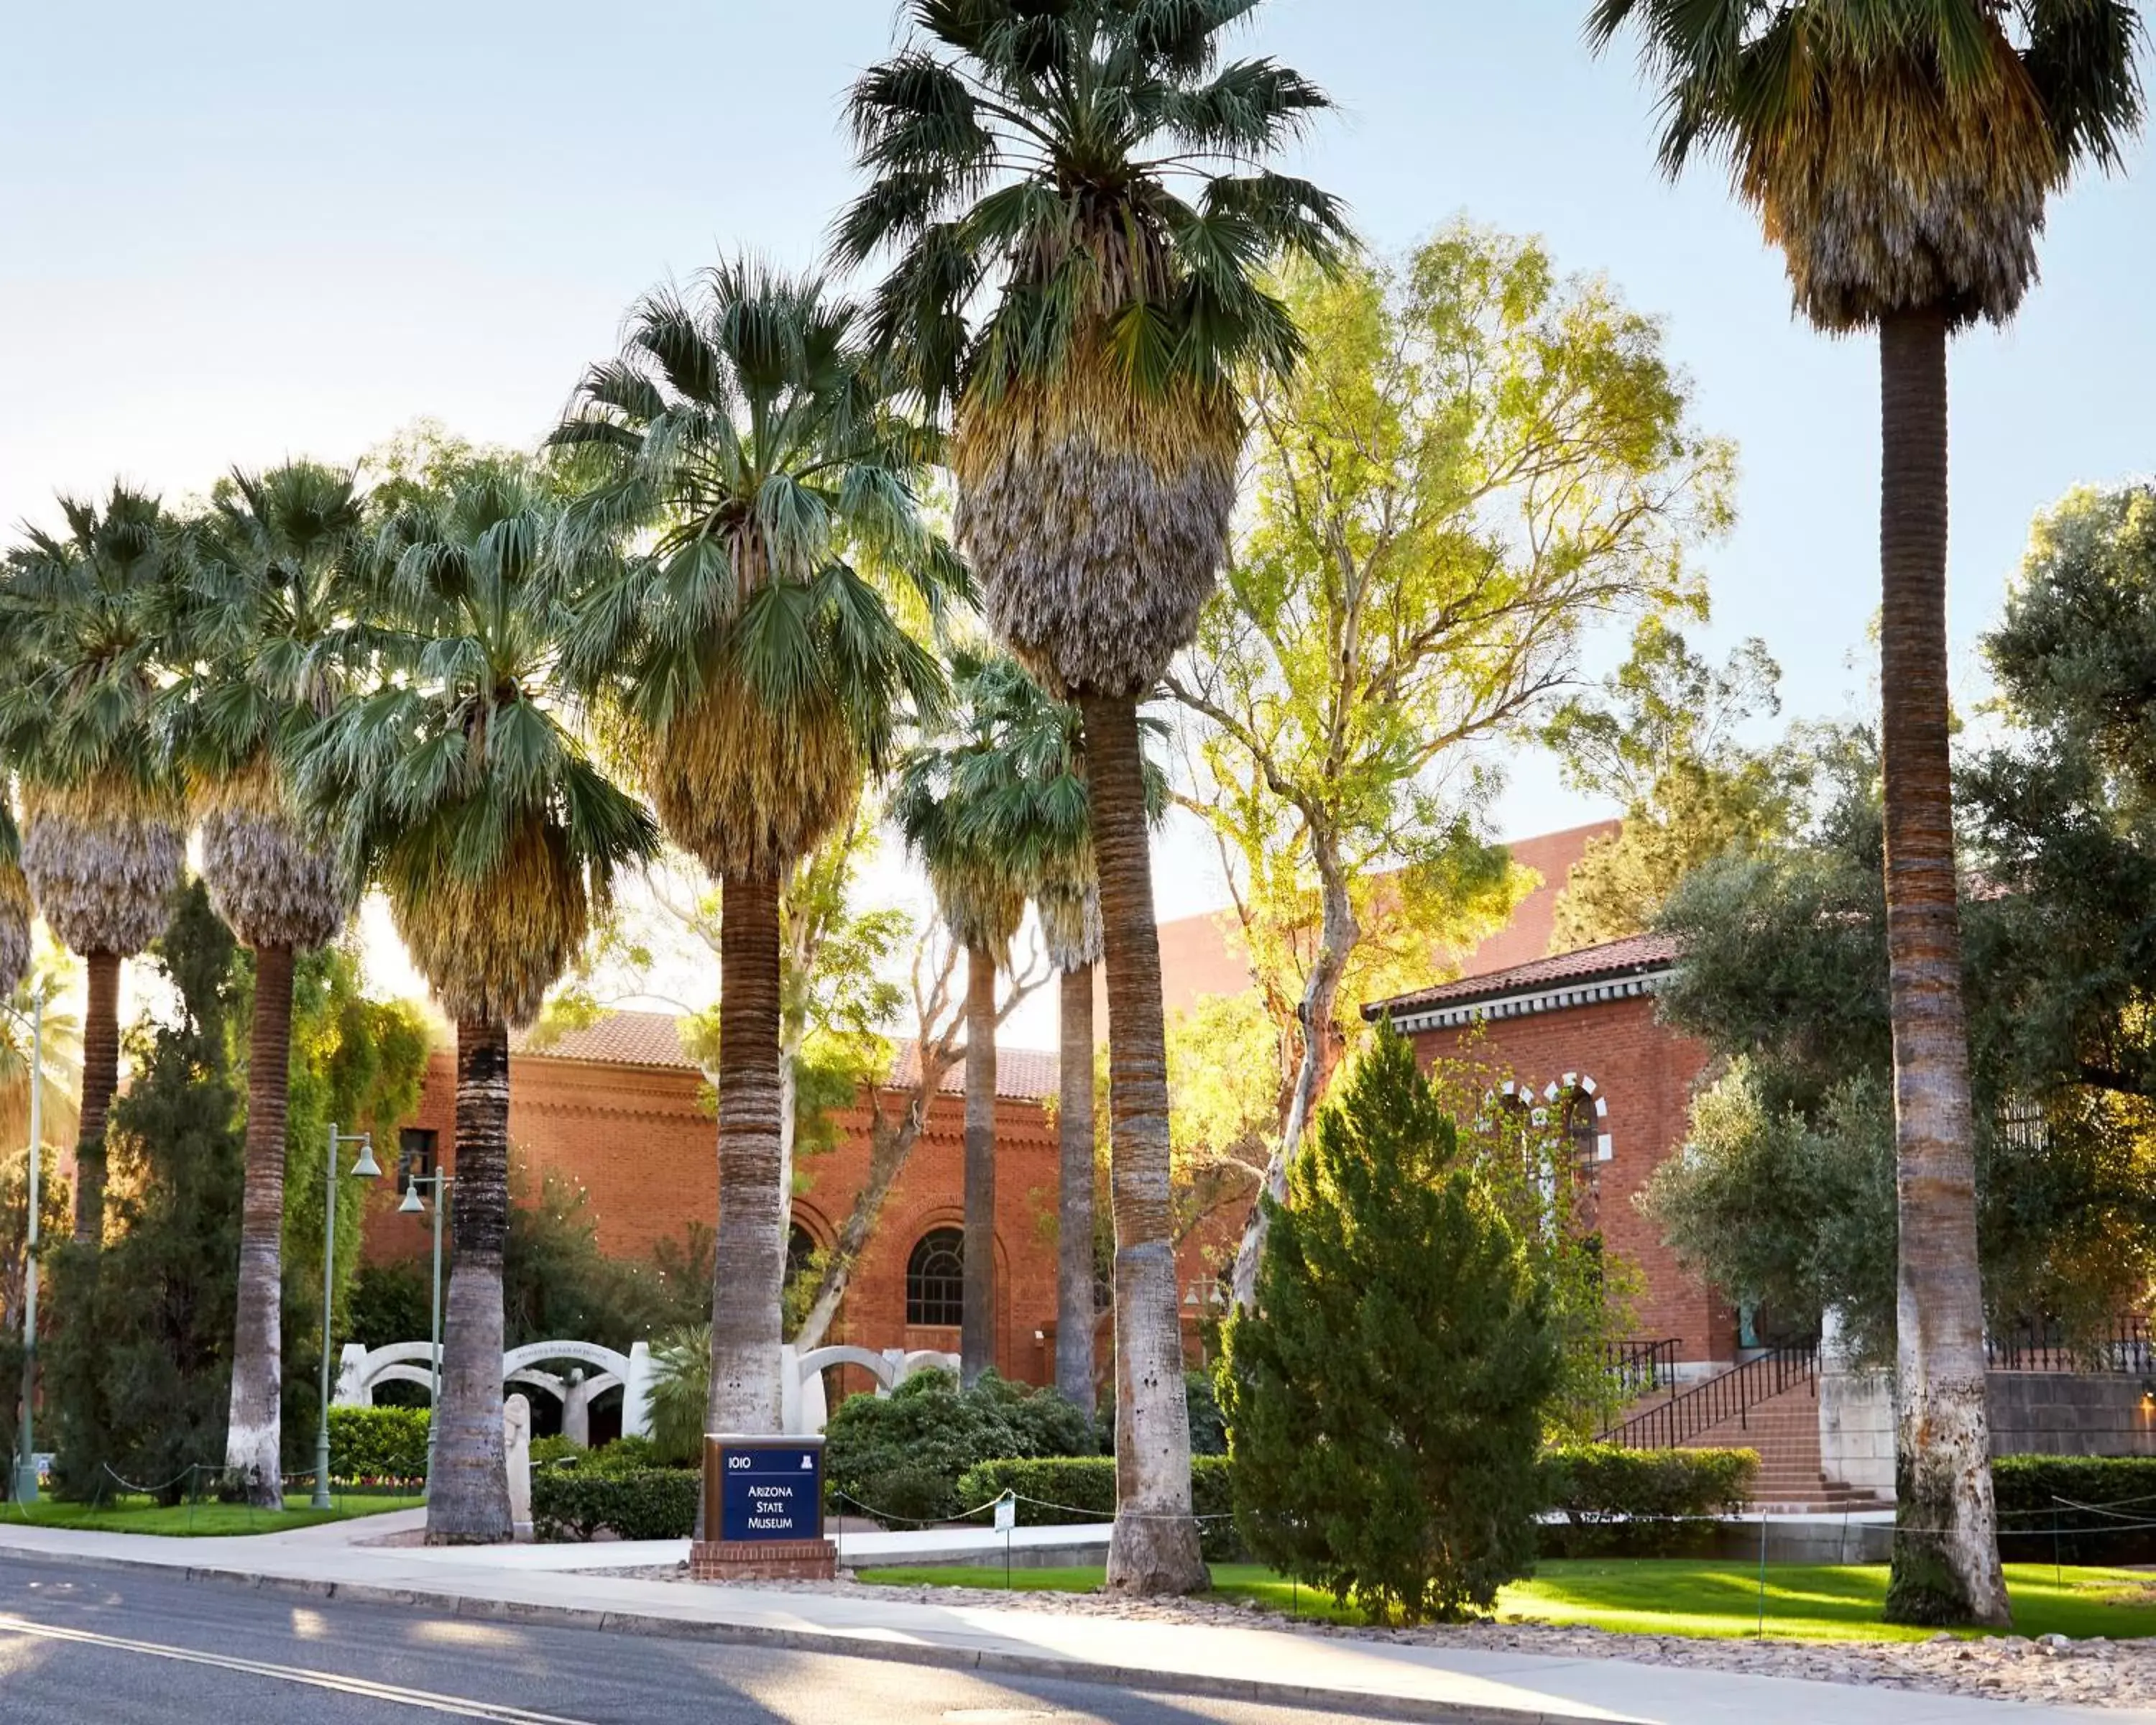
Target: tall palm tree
(1901, 153)
(463, 791)
(269, 628)
(750, 450)
(86, 615)
(1091, 172)
(1071, 924)
(981, 888)
(1034, 814)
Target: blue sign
(770, 1491)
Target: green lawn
(141, 1515)
(1805, 1602)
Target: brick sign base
(762, 1560)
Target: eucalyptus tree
(1901, 153)
(270, 633)
(462, 788)
(86, 614)
(751, 457)
(1088, 175)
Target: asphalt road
(80, 1645)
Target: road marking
(426, 1699)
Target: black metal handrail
(1726, 1396)
(1640, 1366)
(2122, 1347)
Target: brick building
(618, 1110)
(1573, 1038)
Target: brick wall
(1643, 1073)
(641, 1143)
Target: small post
(1762, 1631)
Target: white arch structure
(362, 1370)
(801, 1405)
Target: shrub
(1640, 1503)
(2038, 1516)
(1052, 1492)
(913, 1444)
(378, 1443)
(572, 1503)
(1385, 1401)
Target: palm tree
(758, 674)
(85, 615)
(271, 628)
(1901, 154)
(462, 790)
(1033, 813)
(1091, 172)
(981, 889)
(1070, 911)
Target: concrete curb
(987, 1661)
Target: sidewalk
(528, 1585)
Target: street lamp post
(413, 1206)
(26, 1469)
(366, 1169)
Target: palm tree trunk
(1946, 1554)
(977, 1329)
(101, 1077)
(252, 1443)
(468, 1502)
(1074, 1209)
(748, 1260)
(1154, 1547)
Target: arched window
(800, 1248)
(1581, 1130)
(936, 1279)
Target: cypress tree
(1385, 1400)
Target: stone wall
(2032, 1414)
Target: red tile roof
(654, 1039)
(1629, 956)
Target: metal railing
(2122, 1346)
(1641, 1368)
(1726, 1396)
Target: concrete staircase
(1784, 1430)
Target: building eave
(1554, 997)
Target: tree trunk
(1074, 1209)
(977, 1330)
(101, 1077)
(468, 1501)
(889, 1145)
(1154, 1547)
(252, 1446)
(748, 1262)
(1946, 1555)
(1337, 933)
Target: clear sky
(233, 232)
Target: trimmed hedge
(571, 1503)
(370, 1444)
(1050, 1488)
(2035, 1525)
(899, 1457)
(1640, 1503)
